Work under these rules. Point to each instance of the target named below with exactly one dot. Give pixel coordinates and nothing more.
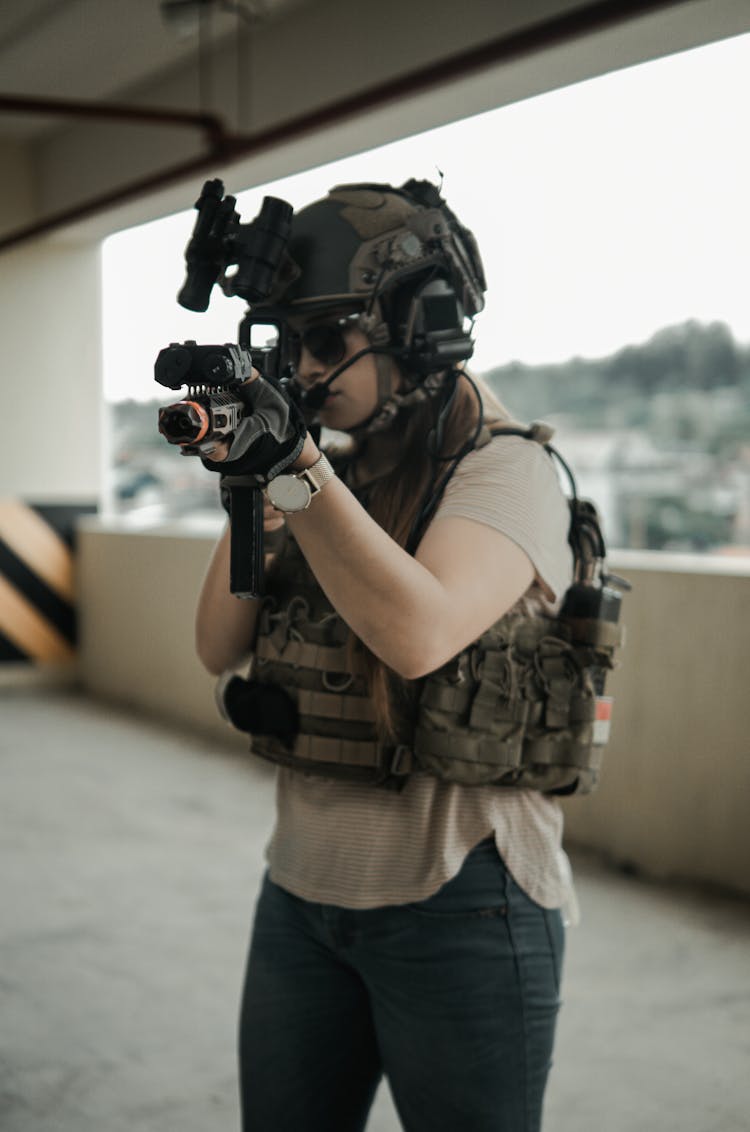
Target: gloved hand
(269, 437)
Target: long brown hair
(395, 502)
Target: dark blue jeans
(454, 998)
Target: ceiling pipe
(585, 20)
(210, 124)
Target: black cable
(434, 494)
(469, 445)
(565, 466)
(437, 432)
(375, 293)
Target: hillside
(620, 390)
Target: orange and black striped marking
(37, 598)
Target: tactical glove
(269, 437)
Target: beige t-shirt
(359, 846)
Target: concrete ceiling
(289, 84)
(97, 50)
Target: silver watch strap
(318, 474)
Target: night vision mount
(213, 406)
(220, 241)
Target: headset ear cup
(382, 249)
(434, 330)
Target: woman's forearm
(386, 597)
(413, 613)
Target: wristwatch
(291, 493)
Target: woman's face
(353, 395)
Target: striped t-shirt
(359, 846)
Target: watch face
(289, 493)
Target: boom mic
(315, 397)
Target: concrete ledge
(138, 593)
(663, 562)
(673, 797)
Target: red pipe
(589, 18)
(70, 108)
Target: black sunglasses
(326, 341)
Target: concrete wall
(138, 592)
(50, 455)
(50, 366)
(673, 800)
(676, 784)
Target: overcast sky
(603, 211)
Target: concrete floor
(130, 861)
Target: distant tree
(690, 356)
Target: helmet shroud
(375, 249)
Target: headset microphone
(315, 398)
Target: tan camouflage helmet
(363, 242)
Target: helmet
(399, 256)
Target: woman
(410, 921)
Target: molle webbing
(338, 752)
(516, 708)
(304, 647)
(299, 654)
(357, 709)
(548, 751)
